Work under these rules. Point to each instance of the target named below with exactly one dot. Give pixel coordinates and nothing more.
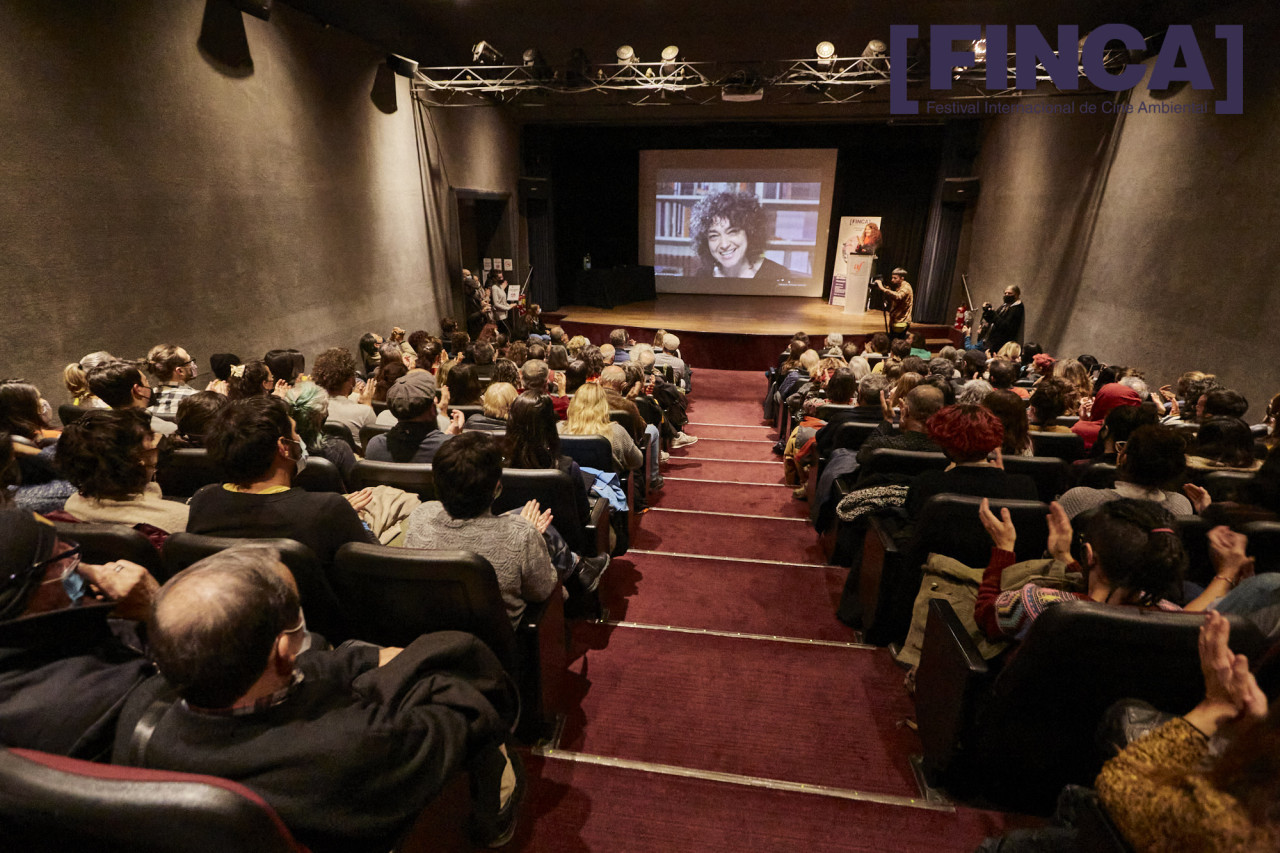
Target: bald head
(213, 625)
(614, 377)
(533, 374)
(920, 404)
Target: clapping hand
(1230, 690)
(1060, 533)
(533, 513)
(1003, 535)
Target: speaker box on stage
(959, 190)
(534, 188)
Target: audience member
(1047, 403)
(65, 675)
(370, 356)
(1012, 412)
(464, 386)
(75, 376)
(917, 406)
(869, 410)
(309, 408)
(110, 456)
(120, 385)
(258, 451)
(335, 372)
(417, 435)
(496, 400)
(195, 412)
(968, 434)
(173, 368)
(1151, 461)
(670, 357)
(588, 414)
(347, 746)
(253, 379)
(1224, 444)
(42, 487)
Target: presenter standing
(1006, 321)
(478, 310)
(498, 299)
(900, 296)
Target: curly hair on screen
(740, 210)
(966, 433)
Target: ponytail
(1137, 548)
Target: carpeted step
(587, 807)
(727, 595)
(751, 450)
(699, 468)
(815, 714)
(747, 499)
(784, 539)
(706, 429)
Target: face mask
(299, 461)
(306, 636)
(1009, 299)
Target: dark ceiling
(441, 32)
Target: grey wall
(150, 197)
(1147, 241)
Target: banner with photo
(860, 239)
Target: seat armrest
(542, 657)
(598, 523)
(951, 677)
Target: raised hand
(1060, 533)
(1001, 530)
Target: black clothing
(407, 441)
(860, 414)
(323, 521)
(886, 436)
(64, 677)
(1006, 324)
(356, 751)
(981, 481)
(484, 423)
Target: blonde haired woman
(1076, 375)
(1012, 351)
(589, 415)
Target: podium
(850, 290)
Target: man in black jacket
(347, 745)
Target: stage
(732, 332)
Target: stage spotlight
(980, 51)
(670, 59)
(402, 65)
(875, 49)
(536, 65)
(626, 55)
(483, 53)
(826, 54)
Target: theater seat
(324, 614)
(909, 463)
(1052, 476)
(1226, 485)
(103, 543)
(553, 489)
(890, 574)
(69, 413)
(338, 429)
(395, 595)
(414, 477)
(185, 471)
(1064, 445)
(51, 803)
(1017, 738)
(368, 431)
(1264, 544)
(320, 475)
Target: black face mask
(1009, 299)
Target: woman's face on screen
(728, 245)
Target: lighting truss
(802, 81)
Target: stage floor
(742, 315)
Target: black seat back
(1037, 733)
(826, 410)
(1264, 545)
(368, 431)
(69, 413)
(338, 429)
(589, 451)
(552, 489)
(1097, 475)
(53, 803)
(889, 460)
(324, 614)
(184, 471)
(394, 595)
(467, 410)
(103, 543)
(1064, 445)
(320, 475)
(851, 434)
(1227, 485)
(413, 477)
(1052, 475)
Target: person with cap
(347, 745)
(65, 666)
(900, 297)
(256, 448)
(416, 436)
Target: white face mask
(306, 635)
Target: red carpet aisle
(722, 707)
